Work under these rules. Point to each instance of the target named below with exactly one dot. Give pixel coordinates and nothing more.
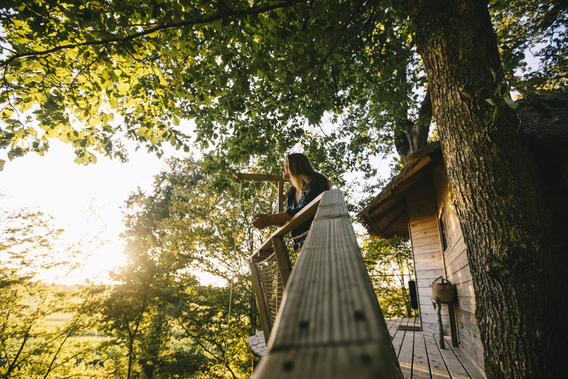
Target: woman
(307, 184)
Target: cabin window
(444, 230)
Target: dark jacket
(317, 185)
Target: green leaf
(511, 103)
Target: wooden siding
(426, 250)
(457, 270)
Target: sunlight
(85, 201)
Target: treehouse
(321, 317)
(416, 205)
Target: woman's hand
(261, 221)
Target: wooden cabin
(417, 204)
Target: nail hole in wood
(365, 359)
(288, 366)
(359, 316)
(304, 324)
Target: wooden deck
(420, 355)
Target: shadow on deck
(420, 356)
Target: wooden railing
(275, 245)
(329, 323)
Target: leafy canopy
(256, 77)
(252, 75)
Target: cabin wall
(426, 250)
(457, 268)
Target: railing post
(283, 259)
(260, 300)
(280, 195)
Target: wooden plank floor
(420, 355)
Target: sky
(84, 200)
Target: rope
(294, 245)
(272, 285)
(231, 296)
(228, 328)
(271, 279)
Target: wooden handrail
(329, 324)
(298, 219)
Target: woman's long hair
(301, 171)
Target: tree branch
(155, 29)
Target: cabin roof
(386, 215)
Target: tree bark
(516, 254)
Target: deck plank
(420, 366)
(438, 368)
(465, 361)
(428, 360)
(406, 354)
(397, 341)
(391, 322)
(453, 364)
(394, 327)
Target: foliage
(39, 322)
(242, 71)
(157, 320)
(537, 27)
(390, 267)
(256, 78)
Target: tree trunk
(516, 254)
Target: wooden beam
(259, 177)
(453, 328)
(380, 214)
(261, 255)
(266, 178)
(283, 259)
(421, 169)
(393, 223)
